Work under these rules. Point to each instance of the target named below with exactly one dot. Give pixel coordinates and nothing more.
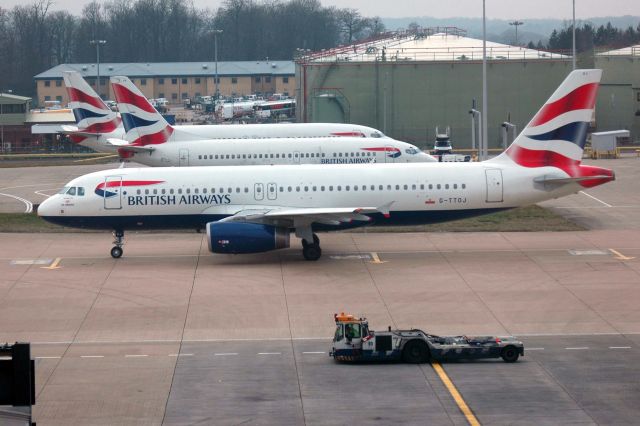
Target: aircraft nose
(48, 207)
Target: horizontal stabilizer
(125, 146)
(74, 131)
(566, 180)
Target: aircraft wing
(291, 217)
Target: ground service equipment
(353, 341)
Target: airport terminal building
(407, 83)
(176, 81)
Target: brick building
(176, 80)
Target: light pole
(215, 49)
(485, 113)
(573, 30)
(1, 125)
(516, 24)
(98, 43)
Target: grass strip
(522, 219)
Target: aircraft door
(494, 185)
(258, 191)
(272, 191)
(112, 192)
(183, 157)
(296, 157)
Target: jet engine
(240, 238)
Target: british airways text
(172, 200)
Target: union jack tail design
(91, 113)
(142, 123)
(556, 135)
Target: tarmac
(171, 334)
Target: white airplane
(254, 208)
(154, 142)
(100, 129)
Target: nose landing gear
(118, 241)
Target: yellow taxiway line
(95, 158)
(619, 255)
(376, 259)
(54, 264)
(468, 414)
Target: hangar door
(494, 185)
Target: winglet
(384, 209)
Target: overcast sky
(502, 9)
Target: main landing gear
(118, 241)
(311, 251)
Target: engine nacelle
(240, 238)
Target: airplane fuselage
(101, 143)
(167, 198)
(281, 151)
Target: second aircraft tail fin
(143, 124)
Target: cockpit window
(376, 135)
(412, 150)
(72, 190)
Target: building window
(143, 81)
(161, 81)
(285, 80)
(59, 99)
(258, 79)
(197, 80)
(174, 96)
(161, 95)
(185, 95)
(184, 81)
(216, 80)
(174, 81)
(234, 80)
(47, 98)
(47, 83)
(103, 81)
(58, 83)
(267, 79)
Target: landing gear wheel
(311, 251)
(118, 241)
(415, 352)
(116, 252)
(316, 240)
(510, 354)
